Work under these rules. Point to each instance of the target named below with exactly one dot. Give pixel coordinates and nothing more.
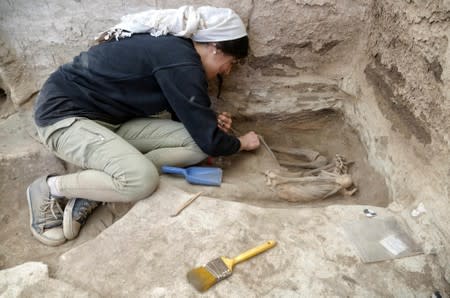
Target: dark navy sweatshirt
(135, 77)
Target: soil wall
(401, 84)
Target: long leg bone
(307, 154)
(277, 180)
(310, 187)
(319, 162)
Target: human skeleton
(316, 180)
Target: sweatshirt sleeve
(185, 88)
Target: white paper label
(394, 245)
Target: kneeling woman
(95, 112)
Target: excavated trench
(325, 132)
(328, 134)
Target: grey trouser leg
(121, 162)
(163, 141)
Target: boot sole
(36, 235)
(69, 233)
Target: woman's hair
(238, 48)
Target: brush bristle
(218, 268)
(201, 278)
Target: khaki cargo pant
(121, 162)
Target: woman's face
(217, 63)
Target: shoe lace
(51, 211)
(85, 209)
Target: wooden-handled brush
(204, 277)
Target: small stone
(370, 213)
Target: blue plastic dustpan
(197, 175)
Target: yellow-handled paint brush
(204, 277)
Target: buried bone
(338, 166)
(310, 188)
(310, 159)
(319, 162)
(316, 180)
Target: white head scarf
(204, 24)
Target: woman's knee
(147, 183)
(197, 155)
(139, 181)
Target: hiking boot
(46, 214)
(75, 215)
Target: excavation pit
(325, 132)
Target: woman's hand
(249, 141)
(224, 121)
